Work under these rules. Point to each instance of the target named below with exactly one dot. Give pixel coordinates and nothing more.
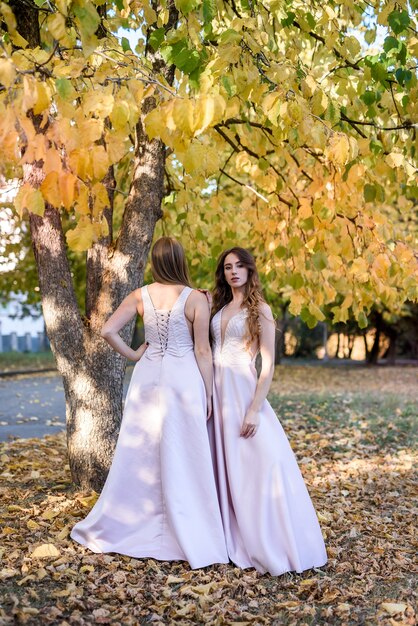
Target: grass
(15, 361)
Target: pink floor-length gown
(160, 498)
(269, 520)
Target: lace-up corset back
(166, 330)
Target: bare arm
(110, 331)
(267, 336)
(202, 348)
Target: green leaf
(398, 21)
(125, 44)
(403, 76)
(295, 244)
(229, 87)
(88, 17)
(64, 88)
(379, 72)
(369, 193)
(185, 6)
(376, 146)
(119, 4)
(187, 60)
(209, 10)
(156, 38)
(370, 36)
(289, 19)
(308, 318)
(363, 322)
(390, 43)
(401, 56)
(319, 260)
(296, 280)
(368, 97)
(280, 252)
(311, 20)
(181, 217)
(230, 36)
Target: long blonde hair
(168, 262)
(253, 294)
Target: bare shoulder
(265, 311)
(137, 294)
(198, 298)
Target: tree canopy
(290, 128)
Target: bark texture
(92, 372)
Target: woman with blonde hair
(160, 499)
(268, 517)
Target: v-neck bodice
(233, 349)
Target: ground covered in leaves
(352, 432)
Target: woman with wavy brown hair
(268, 517)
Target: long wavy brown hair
(168, 262)
(253, 294)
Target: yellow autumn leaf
(305, 208)
(296, 303)
(100, 198)
(80, 163)
(51, 190)
(43, 100)
(30, 93)
(117, 145)
(82, 205)
(100, 162)
(104, 228)
(120, 115)
(98, 103)
(319, 102)
(67, 183)
(7, 72)
(154, 122)
(30, 199)
(208, 111)
(136, 88)
(46, 550)
(395, 159)
(183, 116)
(32, 525)
(81, 237)
(201, 158)
(56, 26)
(393, 608)
(338, 149)
(52, 161)
(91, 130)
(316, 311)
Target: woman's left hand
(250, 424)
(140, 351)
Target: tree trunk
(351, 341)
(374, 352)
(391, 351)
(281, 326)
(366, 347)
(325, 340)
(92, 372)
(337, 350)
(93, 393)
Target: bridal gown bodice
(233, 349)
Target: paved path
(32, 406)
